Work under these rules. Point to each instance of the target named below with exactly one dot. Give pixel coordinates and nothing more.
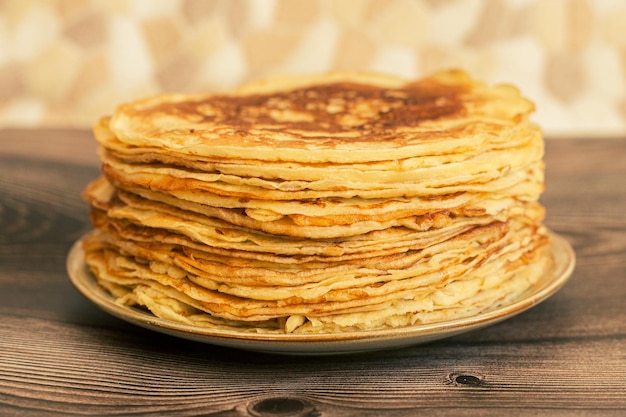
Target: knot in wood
(466, 379)
(282, 407)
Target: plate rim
(327, 343)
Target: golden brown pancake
(334, 118)
(313, 204)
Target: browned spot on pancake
(332, 108)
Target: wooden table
(61, 355)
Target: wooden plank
(103, 365)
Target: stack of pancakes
(320, 204)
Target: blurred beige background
(67, 62)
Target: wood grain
(60, 355)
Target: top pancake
(336, 118)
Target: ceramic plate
(296, 344)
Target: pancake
(327, 203)
(121, 209)
(476, 173)
(340, 118)
(422, 287)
